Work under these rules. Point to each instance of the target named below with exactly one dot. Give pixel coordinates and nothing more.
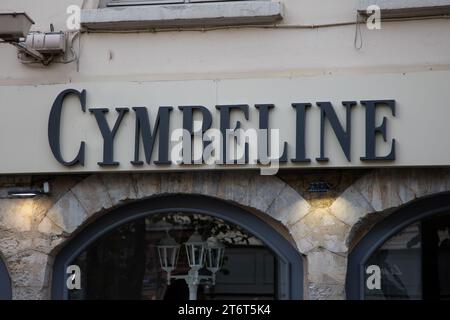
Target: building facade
(356, 204)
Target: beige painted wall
(398, 47)
(420, 127)
(408, 61)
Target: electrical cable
(272, 26)
(358, 46)
(357, 24)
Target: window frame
(5, 281)
(170, 16)
(292, 273)
(415, 211)
(391, 9)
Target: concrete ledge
(183, 15)
(407, 8)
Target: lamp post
(198, 253)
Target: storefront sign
(370, 120)
(161, 125)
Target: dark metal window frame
(284, 249)
(5, 282)
(383, 231)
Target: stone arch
(327, 234)
(291, 264)
(414, 211)
(377, 194)
(98, 193)
(37, 228)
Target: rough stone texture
(147, 185)
(11, 243)
(47, 244)
(206, 183)
(351, 206)
(380, 191)
(47, 226)
(424, 183)
(320, 229)
(235, 187)
(29, 268)
(176, 183)
(321, 225)
(326, 291)
(67, 213)
(264, 191)
(122, 191)
(93, 194)
(289, 207)
(326, 267)
(326, 275)
(16, 214)
(31, 293)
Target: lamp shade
(214, 254)
(168, 250)
(195, 250)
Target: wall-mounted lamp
(319, 187)
(29, 192)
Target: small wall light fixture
(319, 187)
(29, 192)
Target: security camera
(37, 46)
(14, 26)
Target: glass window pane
(399, 262)
(126, 263)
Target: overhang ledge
(182, 15)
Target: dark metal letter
(188, 114)
(148, 138)
(264, 125)
(300, 153)
(108, 134)
(54, 127)
(344, 137)
(372, 130)
(225, 111)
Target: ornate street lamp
(214, 256)
(168, 250)
(197, 251)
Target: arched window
(5, 282)
(118, 255)
(406, 256)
